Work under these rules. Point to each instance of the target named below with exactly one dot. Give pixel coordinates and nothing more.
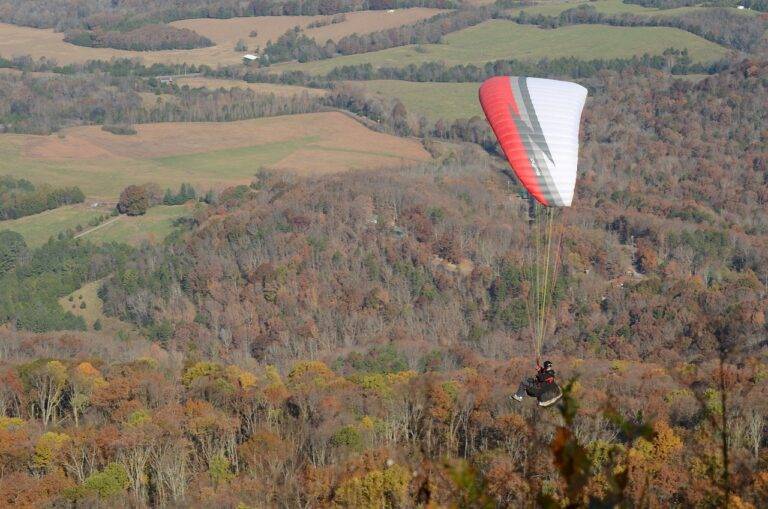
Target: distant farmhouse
(249, 58)
(165, 80)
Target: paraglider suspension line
(545, 265)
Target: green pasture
(155, 225)
(38, 228)
(234, 163)
(448, 101)
(105, 178)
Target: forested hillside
(695, 228)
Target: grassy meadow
(604, 6)
(153, 226)
(448, 101)
(206, 155)
(38, 228)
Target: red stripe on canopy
(499, 105)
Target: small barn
(165, 80)
(250, 58)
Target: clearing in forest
(93, 311)
(225, 33)
(502, 39)
(204, 154)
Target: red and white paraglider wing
(537, 124)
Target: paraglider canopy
(537, 124)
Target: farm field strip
(155, 225)
(226, 32)
(614, 7)
(502, 39)
(604, 6)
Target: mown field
(155, 225)
(501, 39)
(17, 40)
(38, 228)
(448, 101)
(207, 155)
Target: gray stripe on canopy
(531, 112)
(534, 141)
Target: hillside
(208, 156)
(701, 235)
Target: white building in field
(250, 58)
